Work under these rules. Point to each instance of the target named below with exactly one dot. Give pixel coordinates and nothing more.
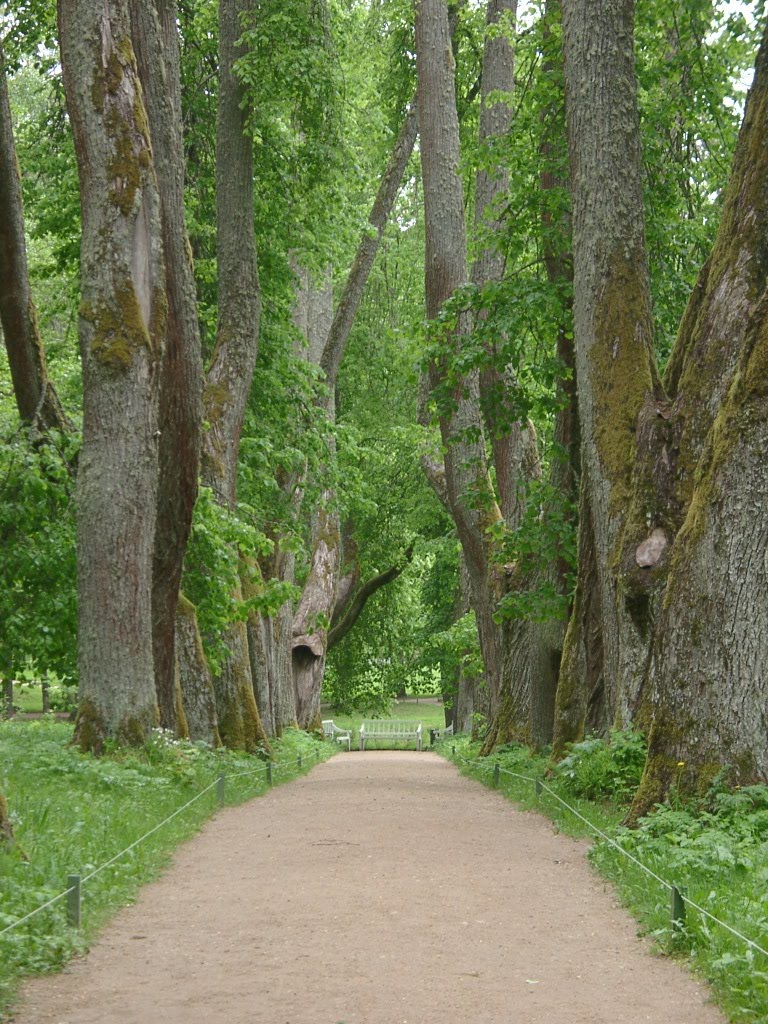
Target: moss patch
(90, 728)
(119, 330)
(621, 372)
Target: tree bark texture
(157, 46)
(228, 381)
(705, 693)
(612, 327)
(312, 617)
(122, 328)
(36, 398)
(198, 699)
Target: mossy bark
(229, 377)
(612, 331)
(122, 328)
(676, 480)
(155, 34)
(194, 675)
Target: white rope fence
(678, 898)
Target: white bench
(331, 731)
(440, 734)
(384, 728)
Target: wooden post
(678, 911)
(269, 773)
(73, 901)
(495, 776)
(7, 711)
(538, 787)
(220, 789)
(299, 760)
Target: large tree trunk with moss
(228, 382)
(612, 329)
(122, 328)
(157, 45)
(36, 398)
(704, 698)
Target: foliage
(598, 769)
(37, 570)
(546, 536)
(221, 554)
(71, 813)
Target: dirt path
(382, 888)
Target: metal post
(269, 773)
(220, 789)
(678, 911)
(495, 776)
(73, 901)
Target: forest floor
(381, 888)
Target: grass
(716, 853)
(72, 813)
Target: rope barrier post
(220, 783)
(299, 762)
(269, 773)
(453, 748)
(495, 776)
(539, 789)
(73, 901)
(678, 911)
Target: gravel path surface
(382, 888)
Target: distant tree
(36, 397)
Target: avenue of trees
(355, 345)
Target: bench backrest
(388, 727)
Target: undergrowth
(714, 851)
(72, 812)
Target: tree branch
(361, 597)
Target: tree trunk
(318, 601)
(228, 382)
(198, 698)
(470, 495)
(704, 698)
(35, 395)
(564, 472)
(157, 45)
(122, 329)
(612, 329)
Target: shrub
(596, 769)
